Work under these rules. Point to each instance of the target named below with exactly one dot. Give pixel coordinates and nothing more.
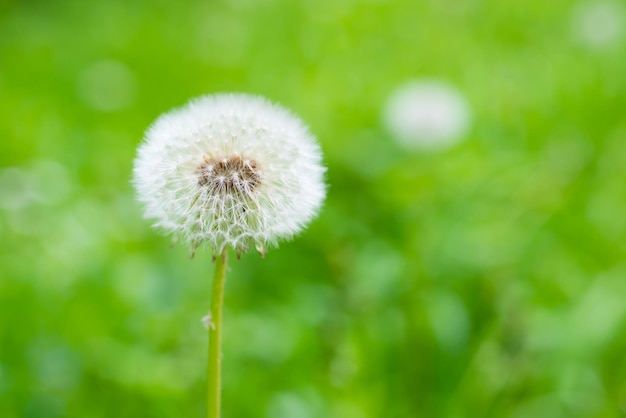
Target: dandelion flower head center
(229, 175)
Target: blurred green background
(483, 280)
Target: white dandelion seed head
(599, 23)
(427, 114)
(230, 170)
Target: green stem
(214, 369)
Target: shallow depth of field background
(486, 279)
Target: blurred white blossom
(598, 24)
(230, 170)
(427, 114)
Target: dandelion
(229, 170)
(427, 114)
(599, 24)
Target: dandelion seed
(206, 321)
(230, 170)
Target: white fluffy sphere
(426, 114)
(599, 23)
(230, 170)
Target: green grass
(487, 280)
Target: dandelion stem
(214, 369)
